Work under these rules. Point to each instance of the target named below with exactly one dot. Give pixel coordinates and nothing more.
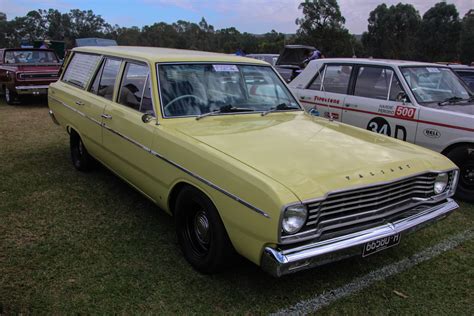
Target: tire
(201, 234)
(11, 97)
(463, 157)
(80, 157)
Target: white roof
(375, 61)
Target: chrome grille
(344, 212)
(38, 75)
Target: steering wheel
(169, 104)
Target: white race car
(426, 104)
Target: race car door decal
(376, 104)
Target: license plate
(380, 244)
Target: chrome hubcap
(201, 227)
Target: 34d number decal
(405, 112)
(379, 125)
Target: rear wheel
(463, 157)
(81, 159)
(200, 231)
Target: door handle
(79, 103)
(107, 116)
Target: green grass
(88, 243)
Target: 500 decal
(381, 126)
(405, 112)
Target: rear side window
(135, 90)
(104, 81)
(81, 69)
(336, 78)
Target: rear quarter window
(80, 69)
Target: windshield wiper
(224, 109)
(280, 107)
(451, 100)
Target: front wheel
(201, 234)
(10, 96)
(463, 157)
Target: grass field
(88, 243)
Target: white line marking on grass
(314, 304)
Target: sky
(253, 16)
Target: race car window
(374, 82)
(316, 83)
(336, 78)
(396, 90)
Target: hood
(294, 55)
(312, 156)
(459, 108)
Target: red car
(27, 71)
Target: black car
(290, 62)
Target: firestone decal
(327, 100)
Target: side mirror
(402, 97)
(147, 118)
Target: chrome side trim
(158, 155)
(279, 262)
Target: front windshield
(197, 89)
(434, 84)
(30, 57)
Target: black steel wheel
(81, 159)
(11, 97)
(201, 234)
(463, 157)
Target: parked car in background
(220, 143)
(466, 73)
(269, 58)
(27, 71)
(290, 62)
(426, 104)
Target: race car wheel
(463, 157)
(201, 234)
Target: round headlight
(294, 218)
(441, 183)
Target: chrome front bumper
(281, 262)
(38, 89)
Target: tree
(439, 33)
(392, 32)
(466, 42)
(322, 25)
(3, 30)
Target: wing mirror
(402, 96)
(147, 118)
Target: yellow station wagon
(220, 143)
